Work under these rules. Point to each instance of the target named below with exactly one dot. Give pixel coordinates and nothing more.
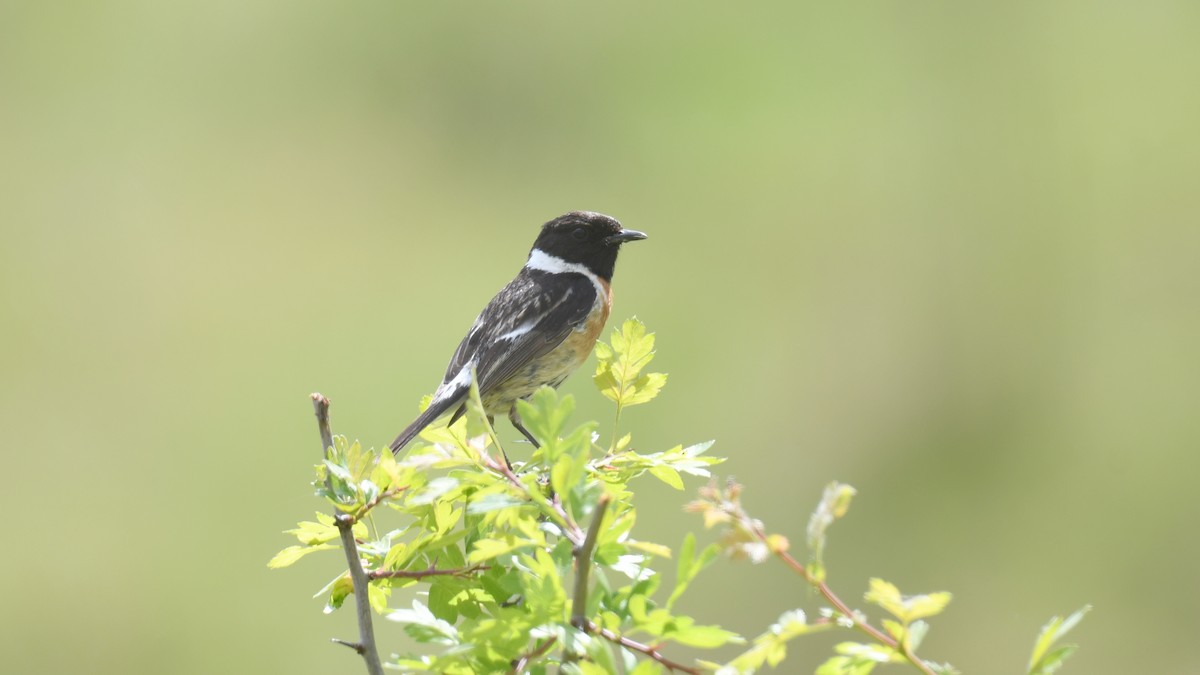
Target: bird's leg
(516, 422)
(492, 423)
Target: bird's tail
(434, 411)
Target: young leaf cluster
(533, 567)
(522, 569)
(896, 638)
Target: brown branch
(520, 664)
(640, 648)
(842, 608)
(358, 576)
(430, 572)
(571, 530)
(583, 564)
(379, 498)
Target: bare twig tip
(352, 645)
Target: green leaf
(486, 549)
(846, 665)
(619, 366)
(835, 501)
(545, 416)
(646, 667)
(1043, 661)
(422, 626)
(649, 548)
(916, 633)
(493, 502)
(643, 389)
(667, 475)
(770, 648)
(311, 534)
(907, 609)
(339, 590)
(291, 554)
(690, 565)
(704, 636)
(560, 475)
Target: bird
(540, 327)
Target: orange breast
(555, 366)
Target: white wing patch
(532, 323)
(519, 330)
(454, 386)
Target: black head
(587, 238)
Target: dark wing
(527, 319)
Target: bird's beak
(624, 236)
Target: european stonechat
(540, 327)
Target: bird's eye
(579, 234)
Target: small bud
(777, 543)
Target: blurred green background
(945, 252)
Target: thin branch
(358, 649)
(571, 530)
(358, 576)
(379, 499)
(520, 664)
(430, 572)
(321, 408)
(842, 608)
(583, 564)
(640, 648)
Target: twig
(430, 572)
(321, 407)
(571, 530)
(379, 499)
(647, 650)
(358, 576)
(842, 608)
(583, 564)
(520, 664)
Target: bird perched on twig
(540, 327)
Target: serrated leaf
(311, 534)
(560, 475)
(1040, 662)
(846, 665)
(916, 633)
(907, 609)
(644, 389)
(493, 502)
(650, 548)
(667, 475)
(704, 636)
(291, 554)
(869, 652)
(423, 626)
(486, 549)
(835, 501)
(545, 416)
(619, 366)
(339, 590)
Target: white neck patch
(540, 260)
